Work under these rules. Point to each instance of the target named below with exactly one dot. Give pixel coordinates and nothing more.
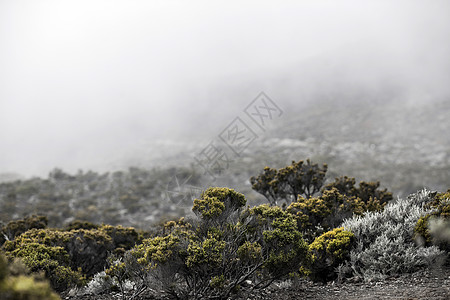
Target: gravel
(427, 284)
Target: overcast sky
(81, 81)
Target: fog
(83, 83)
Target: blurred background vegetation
(404, 147)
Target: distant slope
(8, 177)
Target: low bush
(440, 208)
(439, 216)
(22, 286)
(215, 254)
(368, 192)
(299, 178)
(316, 215)
(16, 228)
(123, 238)
(69, 257)
(41, 250)
(78, 224)
(385, 240)
(328, 251)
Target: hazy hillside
(403, 145)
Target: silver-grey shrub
(385, 240)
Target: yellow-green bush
(276, 231)
(442, 204)
(23, 286)
(158, 250)
(299, 178)
(217, 202)
(441, 210)
(358, 200)
(122, 237)
(26, 288)
(221, 249)
(422, 232)
(368, 192)
(68, 257)
(53, 260)
(251, 252)
(15, 228)
(298, 183)
(318, 214)
(78, 224)
(87, 249)
(207, 252)
(328, 251)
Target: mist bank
(88, 85)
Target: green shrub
(311, 214)
(215, 204)
(422, 232)
(318, 214)
(288, 183)
(368, 193)
(15, 228)
(266, 184)
(53, 260)
(439, 213)
(67, 257)
(158, 250)
(276, 231)
(328, 251)
(213, 255)
(338, 200)
(23, 286)
(87, 249)
(77, 224)
(122, 237)
(26, 288)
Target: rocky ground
(422, 285)
(429, 284)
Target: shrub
(288, 183)
(384, 240)
(439, 216)
(318, 214)
(15, 228)
(217, 204)
(283, 248)
(266, 184)
(328, 251)
(338, 200)
(22, 286)
(422, 232)
(77, 224)
(302, 178)
(310, 214)
(87, 249)
(216, 253)
(38, 255)
(368, 193)
(67, 257)
(123, 238)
